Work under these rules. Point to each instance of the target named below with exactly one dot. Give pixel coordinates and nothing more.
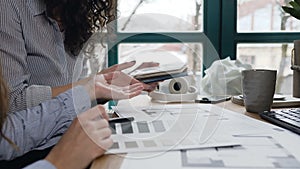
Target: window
(160, 16)
(260, 33)
(257, 32)
(155, 30)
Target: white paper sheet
(262, 145)
(168, 128)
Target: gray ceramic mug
(258, 89)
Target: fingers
(100, 133)
(116, 86)
(121, 79)
(133, 81)
(104, 133)
(110, 76)
(117, 67)
(150, 87)
(103, 113)
(133, 94)
(100, 124)
(133, 88)
(125, 65)
(122, 66)
(127, 92)
(105, 144)
(148, 64)
(117, 78)
(92, 114)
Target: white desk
(116, 161)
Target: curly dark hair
(80, 19)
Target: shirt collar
(37, 7)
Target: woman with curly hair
(40, 43)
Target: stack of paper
(160, 73)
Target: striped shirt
(32, 53)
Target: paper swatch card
(167, 130)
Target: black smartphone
(212, 99)
(162, 78)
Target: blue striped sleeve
(42, 164)
(42, 126)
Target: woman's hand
(119, 67)
(87, 138)
(113, 86)
(151, 86)
(146, 65)
(122, 79)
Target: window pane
(160, 15)
(264, 16)
(270, 56)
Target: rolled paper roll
(178, 86)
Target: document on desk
(168, 128)
(262, 146)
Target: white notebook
(280, 101)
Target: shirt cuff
(44, 164)
(36, 94)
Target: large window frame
(230, 38)
(211, 29)
(219, 25)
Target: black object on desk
(212, 99)
(287, 118)
(120, 119)
(162, 77)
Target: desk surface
(115, 161)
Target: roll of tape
(160, 97)
(178, 86)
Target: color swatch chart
(163, 133)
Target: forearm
(60, 89)
(39, 127)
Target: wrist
(60, 89)
(90, 89)
(58, 164)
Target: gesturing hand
(115, 85)
(119, 67)
(123, 79)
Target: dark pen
(120, 119)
